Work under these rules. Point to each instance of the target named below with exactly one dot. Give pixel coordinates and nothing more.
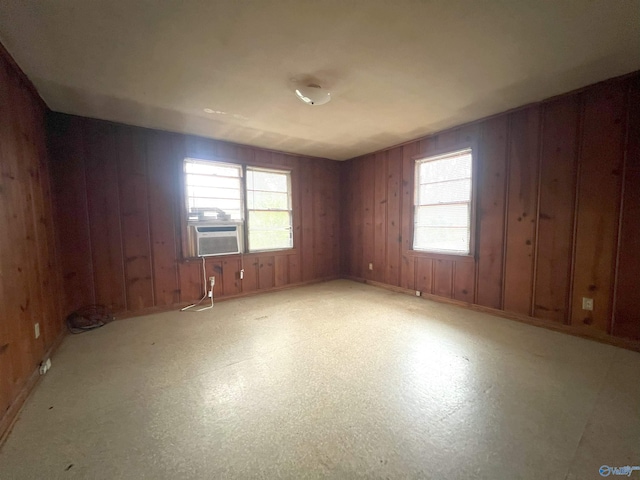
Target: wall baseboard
(178, 306)
(588, 334)
(12, 414)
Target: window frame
(435, 152)
(188, 254)
(247, 209)
(221, 164)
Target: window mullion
(245, 198)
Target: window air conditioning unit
(218, 240)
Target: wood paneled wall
(30, 284)
(557, 212)
(119, 214)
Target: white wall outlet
(371, 266)
(212, 280)
(36, 328)
(587, 303)
(241, 274)
(45, 366)
(418, 293)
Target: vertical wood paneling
(52, 323)
(295, 261)
(356, 261)
(266, 272)
(231, 278)
(368, 212)
(346, 209)
(599, 189)
(408, 274)
(251, 271)
(447, 140)
(226, 150)
(443, 278)
(162, 216)
(191, 281)
(306, 206)
(320, 227)
(377, 190)
(104, 219)
(521, 212)
(335, 207)
(627, 310)
(394, 236)
(214, 269)
(526, 177)
(491, 221)
(72, 218)
(136, 211)
(469, 134)
(28, 177)
(134, 216)
(324, 211)
(281, 272)
(464, 281)
(380, 216)
(30, 275)
(33, 210)
(424, 275)
(427, 146)
(18, 349)
(294, 268)
(264, 157)
(556, 208)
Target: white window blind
(442, 221)
(214, 191)
(269, 209)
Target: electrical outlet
(417, 293)
(212, 280)
(371, 266)
(241, 274)
(36, 327)
(587, 303)
(45, 366)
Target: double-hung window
(269, 209)
(257, 198)
(214, 191)
(442, 207)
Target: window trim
(222, 163)
(183, 228)
(434, 152)
(289, 173)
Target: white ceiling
(397, 69)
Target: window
(269, 209)
(214, 191)
(442, 217)
(217, 192)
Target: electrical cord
(206, 293)
(88, 317)
(211, 295)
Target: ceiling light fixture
(312, 94)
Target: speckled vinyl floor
(337, 380)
